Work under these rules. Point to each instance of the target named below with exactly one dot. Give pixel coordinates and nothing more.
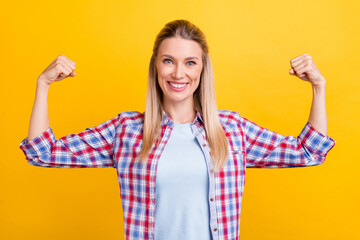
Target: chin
(176, 98)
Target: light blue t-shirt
(182, 189)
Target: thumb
(292, 72)
(72, 74)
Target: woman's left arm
(304, 67)
(268, 149)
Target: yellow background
(251, 44)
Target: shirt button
(204, 144)
(215, 229)
(212, 170)
(211, 199)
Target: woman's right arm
(90, 148)
(60, 68)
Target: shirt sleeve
(90, 148)
(268, 149)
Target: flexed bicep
(268, 149)
(90, 148)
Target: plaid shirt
(117, 142)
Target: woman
(182, 161)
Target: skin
(176, 68)
(304, 68)
(179, 61)
(59, 69)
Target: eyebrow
(169, 56)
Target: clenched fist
(304, 68)
(60, 68)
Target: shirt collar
(168, 121)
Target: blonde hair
(204, 96)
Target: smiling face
(179, 65)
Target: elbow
(34, 163)
(314, 160)
(39, 161)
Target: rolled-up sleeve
(268, 149)
(90, 148)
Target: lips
(178, 86)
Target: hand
(59, 69)
(304, 67)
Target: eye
(194, 63)
(166, 60)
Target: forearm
(39, 120)
(317, 116)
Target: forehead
(180, 48)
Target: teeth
(177, 85)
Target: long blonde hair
(204, 95)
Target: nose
(178, 72)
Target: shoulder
(133, 118)
(228, 117)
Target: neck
(180, 112)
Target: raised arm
(90, 148)
(304, 68)
(268, 149)
(60, 68)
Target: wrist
(42, 89)
(319, 86)
(42, 84)
(318, 90)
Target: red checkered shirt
(116, 143)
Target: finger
(70, 65)
(297, 62)
(294, 59)
(64, 58)
(67, 67)
(301, 75)
(300, 66)
(292, 72)
(302, 72)
(63, 70)
(72, 62)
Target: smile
(177, 86)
